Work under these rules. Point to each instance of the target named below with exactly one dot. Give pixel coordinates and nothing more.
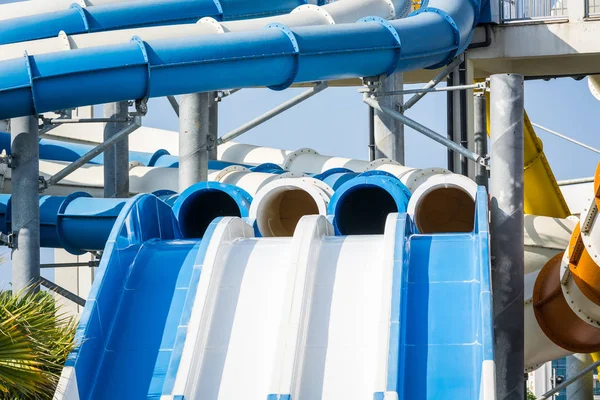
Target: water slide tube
(55, 150)
(76, 19)
(562, 299)
(26, 8)
(80, 223)
(275, 57)
(213, 318)
(342, 11)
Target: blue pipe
(275, 57)
(64, 151)
(135, 14)
(360, 205)
(80, 223)
(201, 203)
(76, 223)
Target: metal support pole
(450, 120)
(116, 157)
(96, 151)
(506, 190)
(25, 203)
(464, 136)
(193, 139)
(481, 139)
(174, 104)
(583, 388)
(389, 131)
(273, 113)
(62, 291)
(213, 126)
(371, 134)
(432, 84)
(425, 131)
(90, 264)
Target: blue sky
(335, 122)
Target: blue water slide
(80, 223)
(275, 56)
(63, 151)
(138, 309)
(442, 313)
(135, 14)
(132, 314)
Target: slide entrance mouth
(281, 210)
(364, 211)
(445, 210)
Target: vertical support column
(193, 137)
(213, 126)
(116, 158)
(462, 95)
(480, 141)
(583, 388)
(506, 190)
(388, 132)
(25, 202)
(450, 103)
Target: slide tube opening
(279, 205)
(200, 204)
(362, 205)
(444, 204)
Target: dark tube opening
(201, 208)
(364, 211)
(445, 210)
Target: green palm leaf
(35, 340)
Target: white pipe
(34, 7)
(343, 11)
(545, 237)
(279, 205)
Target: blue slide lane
(441, 322)
(130, 322)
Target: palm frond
(35, 340)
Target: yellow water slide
(542, 194)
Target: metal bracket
(6, 159)
(42, 184)
(141, 108)
(9, 240)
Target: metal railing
(515, 10)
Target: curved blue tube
(275, 57)
(201, 203)
(360, 206)
(269, 168)
(134, 14)
(64, 151)
(80, 223)
(336, 177)
(76, 223)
